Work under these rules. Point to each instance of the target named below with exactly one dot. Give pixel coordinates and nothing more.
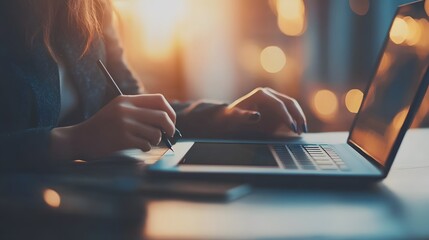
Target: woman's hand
(126, 122)
(263, 112)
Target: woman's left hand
(263, 112)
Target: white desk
(396, 208)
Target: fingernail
(305, 128)
(254, 117)
(293, 127)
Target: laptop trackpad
(230, 154)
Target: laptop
(391, 101)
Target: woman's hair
(85, 16)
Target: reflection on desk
(34, 207)
(274, 214)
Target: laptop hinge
(370, 159)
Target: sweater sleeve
(24, 139)
(27, 149)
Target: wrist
(66, 144)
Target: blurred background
(323, 53)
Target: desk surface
(396, 208)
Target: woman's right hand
(126, 122)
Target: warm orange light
(399, 119)
(291, 17)
(386, 62)
(424, 28)
(373, 142)
(293, 27)
(273, 59)
(422, 46)
(427, 7)
(414, 31)
(52, 198)
(399, 31)
(325, 104)
(160, 21)
(353, 100)
(250, 57)
(290, 9)
(360, 7)
(79, 161)
(422, 113)
(273, 5)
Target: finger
(155, 118)
(294, 109)
(277, 106)
(155, 102)
(243, 116)
(146, 132)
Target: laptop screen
(399, 74)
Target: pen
(119, 93)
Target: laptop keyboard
(309, 157)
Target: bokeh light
(291, 17)
(360, 7)
(273, 59)
(160, 22)
(422, 44)
(325, 104)
(353, 100)
(184, 44)
(399, 31)
(52, 198)
(414, 31)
